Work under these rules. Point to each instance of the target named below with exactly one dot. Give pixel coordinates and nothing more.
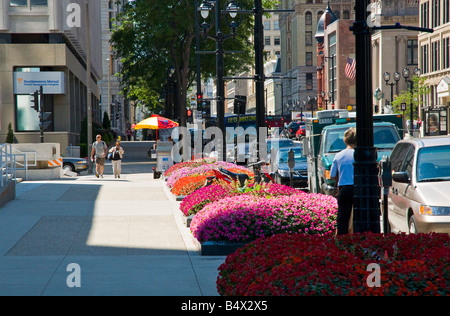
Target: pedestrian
(342, 169)
(117, 155)
(99, 150)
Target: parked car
(419, 199)
(301, 132)
(271, 143)
(75, 164)
(293, 127)
(281, 173)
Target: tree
(106, 122)
(153, 36)
(413, 96)
(10, 135)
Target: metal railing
(12, 160)
(7, 164)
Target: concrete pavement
(125, 236)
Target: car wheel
(412, 225)
(69, 167)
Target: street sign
(403, 107)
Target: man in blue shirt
(342, 169)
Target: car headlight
(284, 173)
(83, 162)
(435, 210)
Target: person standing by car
(99, 149)
(117, 155)
(342, 169)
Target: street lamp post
(406, 75)
(366, 187)
(205, 8)
(387, 77)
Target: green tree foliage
(413, 96)
(10, 135)
(153, 36)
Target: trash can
(164, 158)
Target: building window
(277, 41)
(446, 11)
(267, 25)
(26, 3)
(424, 59)
(346, 15)
(436, 17)
(309, 57)
(435, 60)
(308, 38)
(308, 18)
(276, 25)
(412, 52)
(446, 52)
(267, 41)
(424, 14)
(309, 81)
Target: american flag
(350, 68)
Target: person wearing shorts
(99, 150)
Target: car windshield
(281, 143)
(433, 164)
(298, 154)
(385, 137)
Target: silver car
(419, 199)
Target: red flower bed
(189, 184)
(295, 265)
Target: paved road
(125, 237)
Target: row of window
(26, 3)
(434, 13)
(431, 56)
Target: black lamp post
(406, 75)
(205, 9)
(387, 77)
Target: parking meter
(385, 179)
(385, 172)
(291, 164)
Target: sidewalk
(126, 235)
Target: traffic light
(240, 103)
(207, 108)
(190, 118)
(35, 101)
(199, 101)
(45, 120)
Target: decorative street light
(387, 77)
(205, 9)
(406, 74)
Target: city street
(108, 236)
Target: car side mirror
(402, 177)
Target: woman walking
(117, 155)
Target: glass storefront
(436, 122)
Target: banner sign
(29, 82)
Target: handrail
(7, 163)
(25, 165)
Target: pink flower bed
(248, 217)
(194, 202)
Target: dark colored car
(75, 164)
(293, 127)
(282, 173)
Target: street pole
(89, 90)
(366, 210)
(220, 81)
(259, 73)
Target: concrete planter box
(220, 248)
